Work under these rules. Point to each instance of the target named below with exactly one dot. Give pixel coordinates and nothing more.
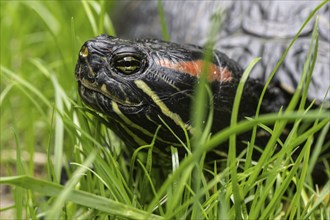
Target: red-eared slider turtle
(140, 84)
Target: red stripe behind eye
(194, 68)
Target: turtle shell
(248, 29)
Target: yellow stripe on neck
(165, 110)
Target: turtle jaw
(104, 102)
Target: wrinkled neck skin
(274, 99)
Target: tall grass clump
(59, 160)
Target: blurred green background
(40, 41)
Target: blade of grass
(101, 16)
(147, 172)
(199, 111)
(232, 160)
(5, 92)
(19, 192)
(90, 16)
(147, 179)
(295, 202)
(163, 24)
(174, 187)
(80, 197)
(318, 147)
(73, 42)
(177, 195)
(59, 133)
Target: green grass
(45, 127)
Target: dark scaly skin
(135, 102)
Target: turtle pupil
(127, 64)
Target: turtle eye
(128, 64)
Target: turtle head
(142, 84)
(105, 72)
